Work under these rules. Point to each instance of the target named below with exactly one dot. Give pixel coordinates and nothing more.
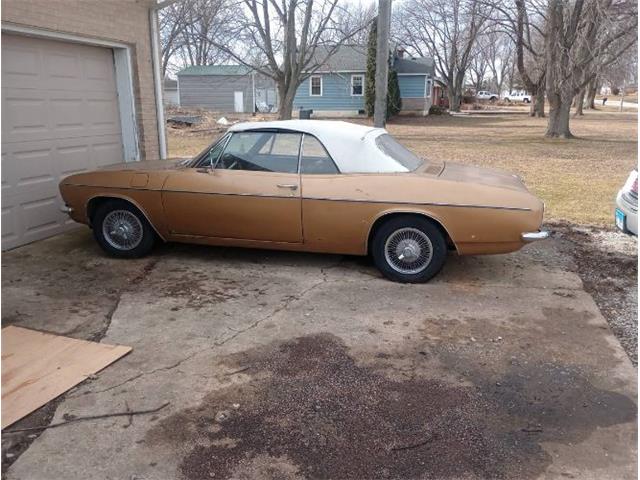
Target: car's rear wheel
(409, 249)
(121, 230)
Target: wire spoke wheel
(408, 250)
(122, 230)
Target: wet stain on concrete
(310, 402)
(197, 289)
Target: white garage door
(59, 116)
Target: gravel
(607, 262)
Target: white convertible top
(352, 146)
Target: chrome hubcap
(408, 250)
(122, 230)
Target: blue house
(336, 87)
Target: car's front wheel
(121, 230)
(409, 249)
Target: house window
(427, 87)
(357, 85)
(315, 86)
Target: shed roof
(238, 70)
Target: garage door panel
(102, 115)
(106, 151)
(63, 119)
(22, 117)
(20, 64)
(9, 227)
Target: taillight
(634, 187)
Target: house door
(238, 102)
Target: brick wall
(124, 21)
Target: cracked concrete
(192, 314)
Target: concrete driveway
(281, 365)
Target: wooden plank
(37, 367)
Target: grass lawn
(577, 179)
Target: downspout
(157, 77)
(253, 93)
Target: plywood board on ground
(37, 367)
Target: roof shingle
(237, 70)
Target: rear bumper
(528, 237)
(630, 210)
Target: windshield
(394, 149)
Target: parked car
(485, 95)
(518, 97)
(627, 205)
(314, 186)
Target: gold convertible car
(313, 186)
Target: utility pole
(382, 63)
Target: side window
(210, 158)
(262, 152)
(315, 86)
(357, 85)
(315, 158)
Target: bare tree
(287, 40)
(580, 37)
(478, 66)
(206, 25)
(171, 25)
(447, 31)
(523, 22)
(190, 31)
(499, 54)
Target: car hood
(482, 176)
(149, 165)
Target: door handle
(290, 186)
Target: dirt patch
(607, 263)
(198, 289)
(310, 402)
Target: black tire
(141, 248)
(493, 99)
(526, 100)
(424, 225)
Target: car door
(247, 188)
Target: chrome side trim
(324, 199)
(528, 237)
(435, 204)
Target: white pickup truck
(485, 95)
(518, 97)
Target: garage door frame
(124, 80)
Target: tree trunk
(285, 109)
(454, 100)
(579, 102)
(537, 104)
(559, 114)
(591, 94)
